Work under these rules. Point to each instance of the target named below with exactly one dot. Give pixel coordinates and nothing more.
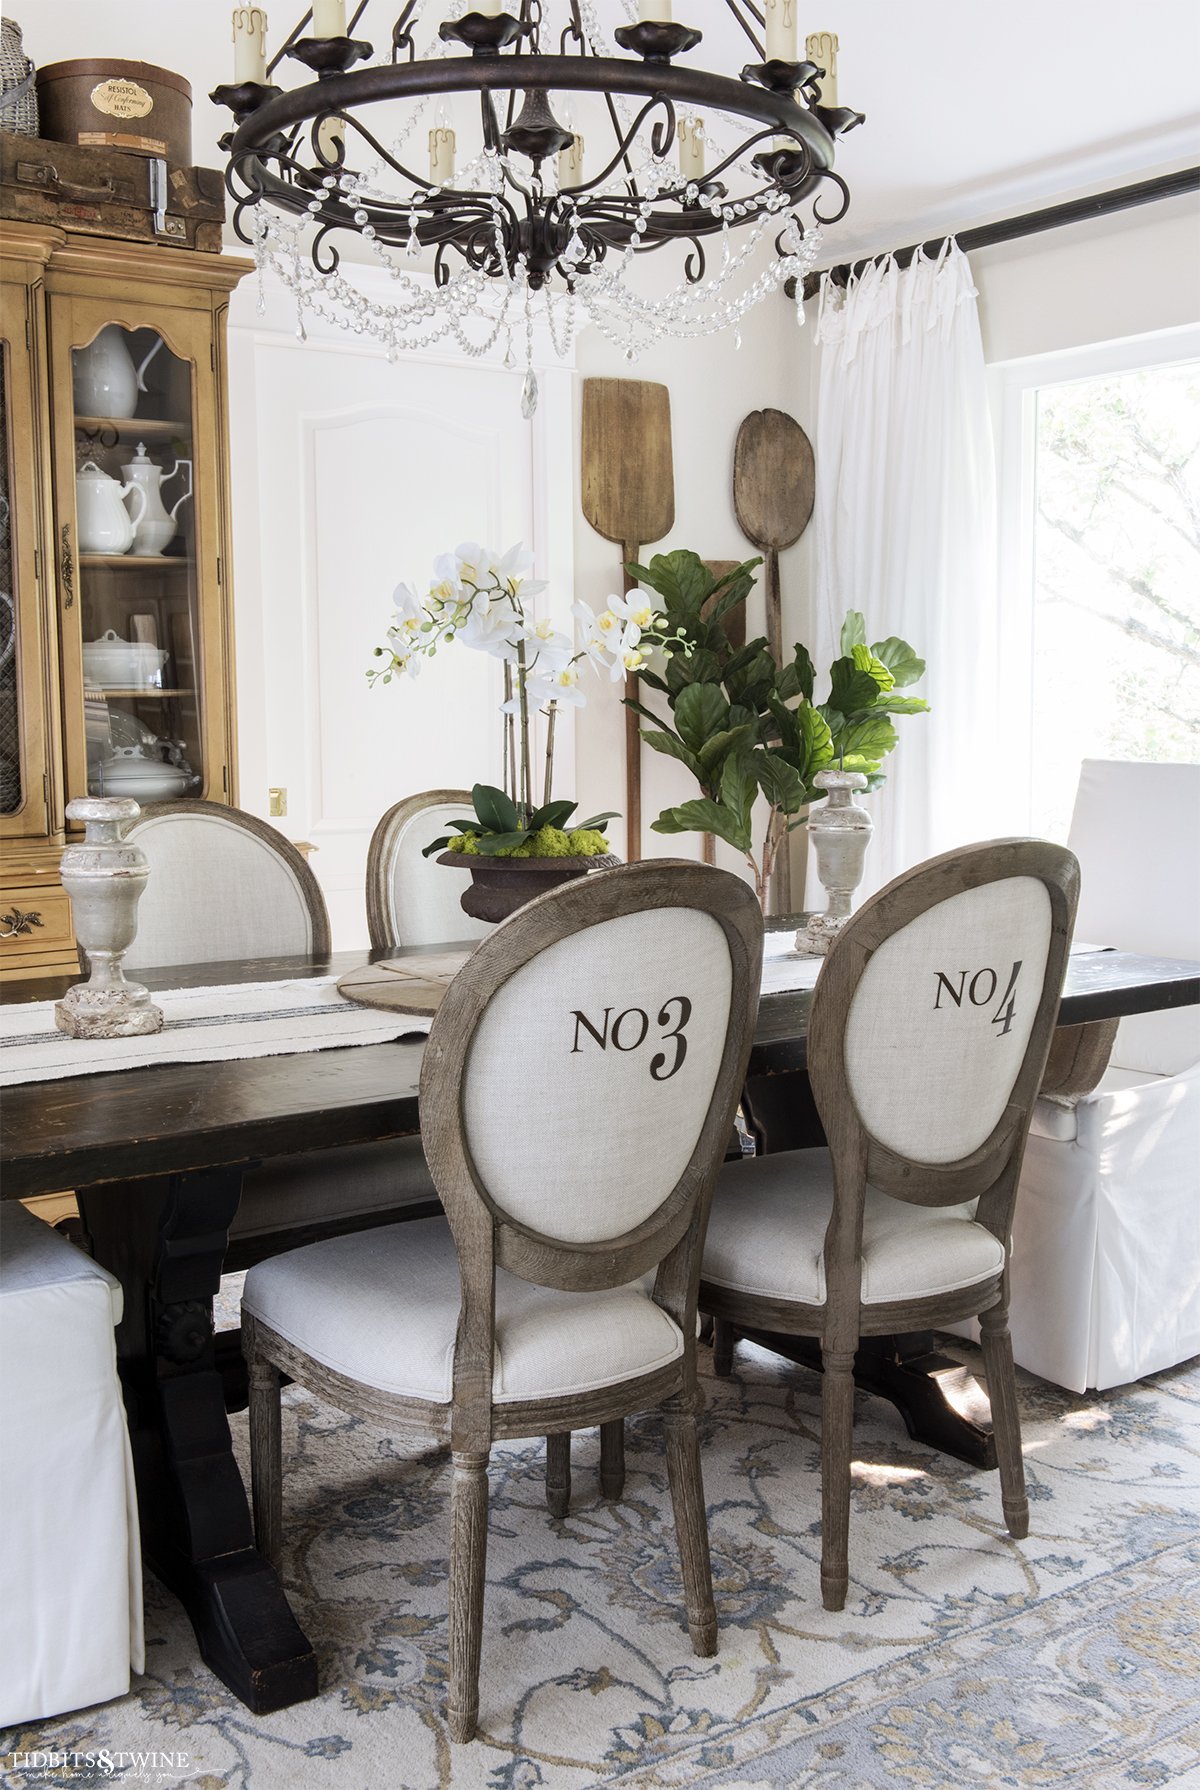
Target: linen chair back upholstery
(1136, 833)
(223, 885)
(931, 1024)
(412, 900)
(581, 1076)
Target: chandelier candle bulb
(781, 30)
(331, 135)
(329, 18)
(249, 44)
(691, 148)
(441, 155)
(488, 9)
(821, 47)
(570, 163)
(654, 12)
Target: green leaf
(598, 820)
(671, 747)
(752, 683)
(715, 749)
(873, 736)
(854, 632)
(900, 660)
(705, 816)
(902, 705)
(652, 678)
(492, 843)
(700, 667)
(700, 711)
(427, 851)
(853, 688)
(741, 716)
(681, 578)
(496, 813)
(779, 782)
(738, 790)
(816, 741)
(797, 679)
(554, 814)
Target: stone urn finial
(840, 832)
(104, 875)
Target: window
(1100, 521)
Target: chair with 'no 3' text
(577, 1092)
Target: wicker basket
(18, 98)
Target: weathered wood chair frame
(990, 1174)
(390, 829)
(486, 1237)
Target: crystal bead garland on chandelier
(525, 231)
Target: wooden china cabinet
(116, 656)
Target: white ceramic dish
(128, 773)
(113, 663)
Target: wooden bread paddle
(773, 489)
(629, 498)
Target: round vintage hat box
(121, 105)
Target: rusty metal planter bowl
(499, 886)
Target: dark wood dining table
(156, 1157)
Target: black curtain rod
(1030, 223)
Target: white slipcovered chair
(927, 1040)
(71, 1585)
(411, 900)
(1106, 1240)
(613, 1011)
(225, 885)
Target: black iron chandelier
(526, 225)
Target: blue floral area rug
(962, 1658)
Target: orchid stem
(551, 719)
(510, 740)
(526, 803)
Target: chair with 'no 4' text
(929, 1031)
(577, 1092)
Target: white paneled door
(351, 474)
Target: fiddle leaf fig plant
(744, 725)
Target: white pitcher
(105, 525)
(106, 382)
(156, 525)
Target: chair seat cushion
(381, 1307)
(766, 1236)
(34, 1257)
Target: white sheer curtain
(905, 531)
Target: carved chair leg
(612, 1458)
(691, 1524)
(558, 1474)
(1006, 1420)
(722, 1348)
(468, 1559)
(266, 1457)
(837, 1426)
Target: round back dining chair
(412, 900)
(928, 1035)
(577, 1092)
(223, 885)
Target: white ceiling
(973, 110)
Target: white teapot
(106, 382)
(156, 525)
(105, 525)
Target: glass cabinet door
(133, 427)
(23, 718)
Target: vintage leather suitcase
(110, 192)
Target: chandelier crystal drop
(539, 224)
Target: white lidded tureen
(128, 772)
(112, 663)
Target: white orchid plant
(486, 601)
